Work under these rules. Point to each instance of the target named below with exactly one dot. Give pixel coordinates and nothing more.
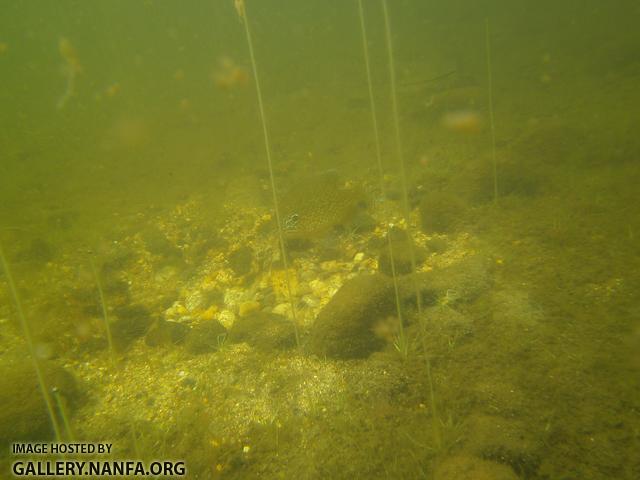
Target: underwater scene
(321, 239)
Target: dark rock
(116, 288)
(24, 414)
(264, 331)
(38, 252)
(436, 245)
(505, 440)
(166, 332)
(343, 328)
(205, 337)
(403, 248)
(132, 322)
(362, 222)
(158, 244)
(241, 260)
(117, 262)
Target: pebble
(227, 318)
(247, 308)
(318, 287)
(282, 309)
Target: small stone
(318, 288)
(330, 266)
(282, 309)
(247, 308)
(209, 313)
(205, 337)
(226, 318)
(240, 261)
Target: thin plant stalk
(105, 316)
(405, 205)
(487, 38)
(398, 142)
(60, 403)
(242, 13)
(26, 330)
(402, 343)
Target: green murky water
(487, 337)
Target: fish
(316, 205)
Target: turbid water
(131, 140)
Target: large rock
(264, 331)
(344, 326)
(24, 414)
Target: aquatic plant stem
(60, 403)
(376, 133)
(405, 205)
(242, 13)
(26, 330)
(103, 306)
(399, 148)
(487, 37)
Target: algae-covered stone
(166, 332)
(240, 260)
(344, 326)
(463, 467)
(264, 331)
(506, 440)
(24, 415)
(205, 337)
(316, 205)
(403, 248)
(132, 322)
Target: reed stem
(406, 209)
(487, 37)
(103, 306)
(26, 330)
(242, 13)
(402, 343)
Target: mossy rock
(241, 260)
(166, 332)
(344, 326)
(132, 322)
(505, 440)
(264, 331)
(205, 337)
(462, 467)
(24, 414)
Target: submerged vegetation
(329, 240)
